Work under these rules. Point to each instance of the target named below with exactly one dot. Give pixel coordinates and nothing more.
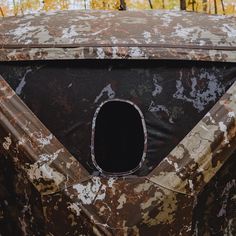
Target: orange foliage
(19, 7)
(55, 5)
(105, 5)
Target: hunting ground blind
(118, 123)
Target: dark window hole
(118, 137)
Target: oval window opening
(118, 137)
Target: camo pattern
(43, 158)
(177, 197)
(215, 209)
(116, 35)
(160, 203)
(165, 92)
(197, 158)
(21, 211)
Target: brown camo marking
(118, 35)
(160, 203)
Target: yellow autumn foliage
(105, 5)
(55, 5)
(20, 7)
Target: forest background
(21, 7)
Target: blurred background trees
(19, 7)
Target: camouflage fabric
(182, 187)
(214, 212)
(103, 35)
(159, 203)
(173, 98)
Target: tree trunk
(223, 7)
(183, 5)
(122, 5)
(150, 4)
(163, 4)
(215, 3)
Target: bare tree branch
(150, 4)
(2, 13)
(223, 6)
